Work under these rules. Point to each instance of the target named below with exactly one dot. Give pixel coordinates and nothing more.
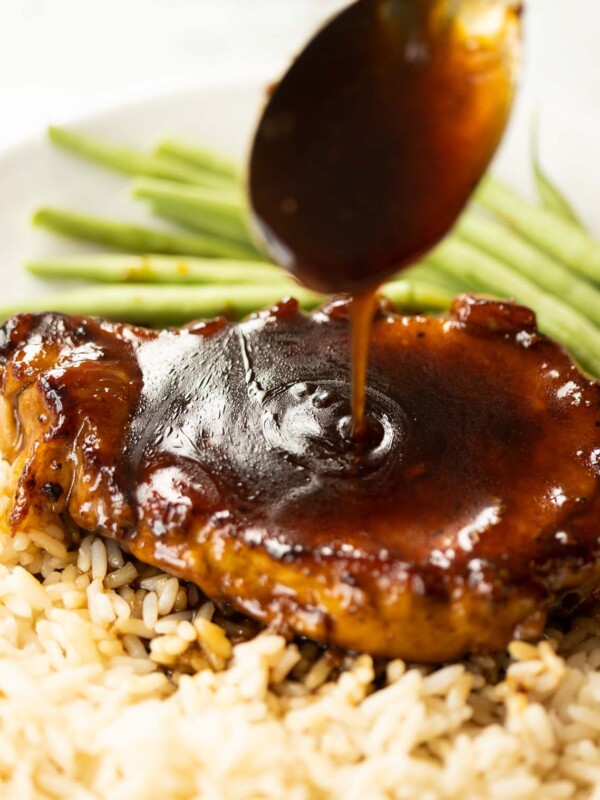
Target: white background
(60, 58)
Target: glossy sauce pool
(221, 453)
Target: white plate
(222, 117)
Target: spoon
(372, 143)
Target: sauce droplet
(361, 317)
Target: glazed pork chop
(220, 452)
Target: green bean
(429, 273)
(481, 272)
(190, 221)
(550, 195)
(164, 304)
(129, 161)
(167, 304)
(198, 157)
(515, 251)
(207, 210)
(418, 295)
(106, 268)
(557, 236)
(136, 239)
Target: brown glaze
(376, 137)
(362, 308)
(215, 452)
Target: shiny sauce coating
(469, 435)
(215, 452)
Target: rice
(118, 681)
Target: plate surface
(223, 116)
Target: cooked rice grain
(87, 708)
